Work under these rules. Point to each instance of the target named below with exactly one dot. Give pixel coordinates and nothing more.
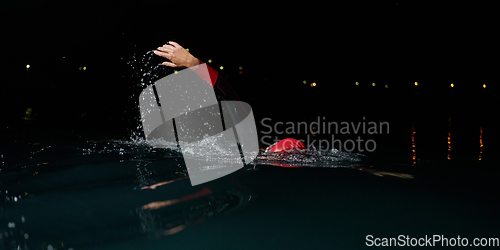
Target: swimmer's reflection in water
(385, 173)
(154, 186)
(195, 208)
(160, 204)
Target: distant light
(357, 83)
(241, 68)
(187, 49)
(27, 113)
(221, 67)
(175, 71)
(373, 84)
(27, 66)
(241, 72)
(313, 84)
(452, 85)
(304, 82)
(209, 60)
(84, 68)
(484, 86)
(386, 86)
(416, 83)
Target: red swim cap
(287, 144)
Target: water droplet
(11, 225)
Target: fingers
(169, 64)
(163, 54)
(166, 48)
(173, 52)
(174, 44)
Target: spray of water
(146, 71)
(311, 158)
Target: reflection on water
(113, 190)
(480, 143)
(100, 193)
(399, 175)
(384, 173)
(154, 186)
(167, 217)
(160, 204)
(461, 132)
(413, 145)
(449, 138)
(59, 195)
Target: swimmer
(179, 57)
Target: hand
(178, 56)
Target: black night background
(278, 47)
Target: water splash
(311, 158)
(217, 150)
(146, 72)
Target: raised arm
(181, 58)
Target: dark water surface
(63, 189)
